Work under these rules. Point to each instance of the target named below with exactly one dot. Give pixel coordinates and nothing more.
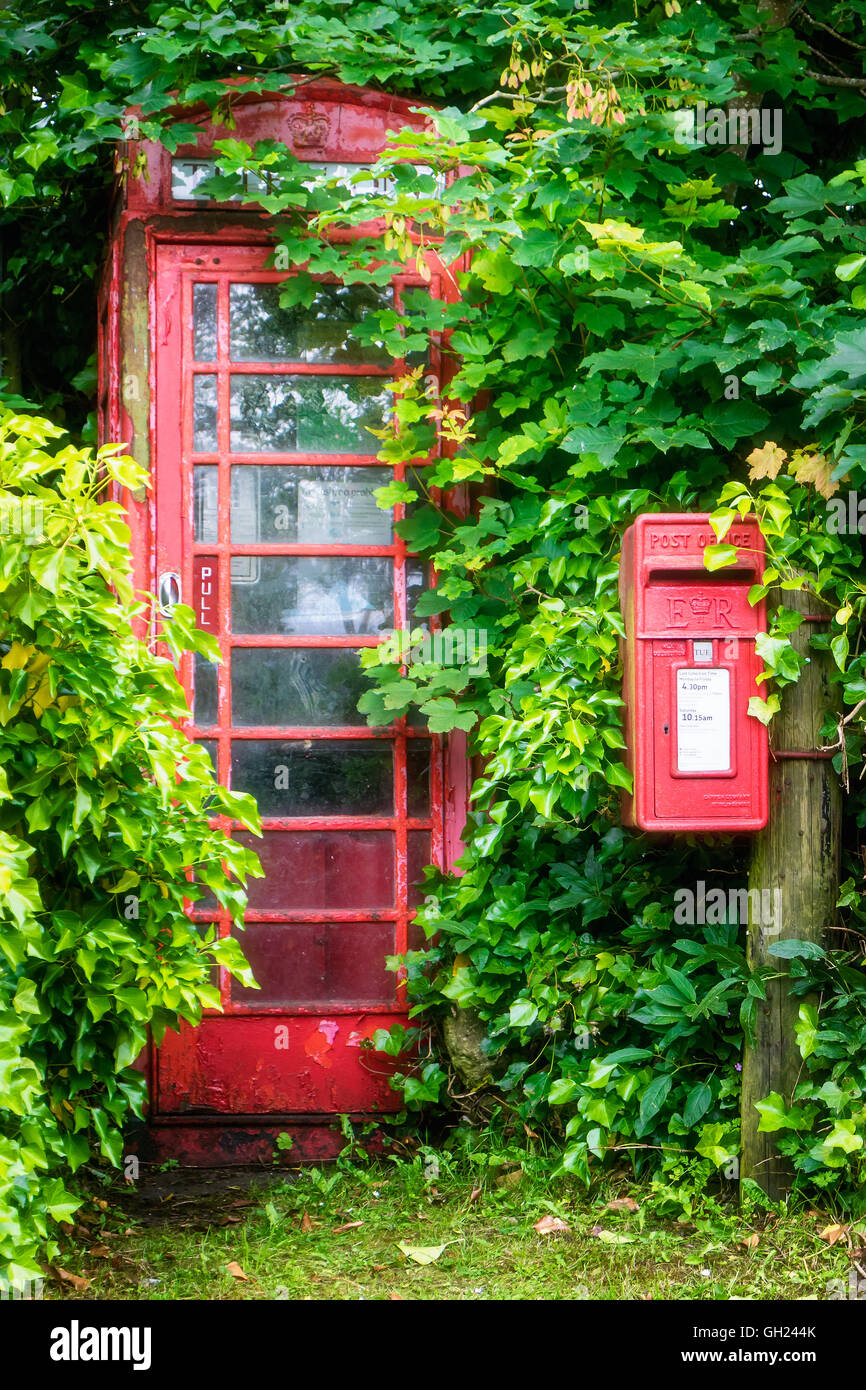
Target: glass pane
(290, 686)
(319, 869)
(317, 595)
(311, 777)
(205, 491)
(416, 301)
(261, 331)
(309, 506)
(356, 178)
(205, 698)
(416, 583)
(187, 174)
(204, 323)
(318, 963)
(210, 747)
(418, 857)
(418, 480)
(204, 414)
(418, 776)
(309, 415)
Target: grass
(334, 1233)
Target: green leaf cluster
(106, 832)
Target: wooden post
(797, 854)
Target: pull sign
(206, 593)
(703, 720)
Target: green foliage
(620, 1030)
(105, 831)
(823, 1128)
(642, 316)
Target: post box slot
(694, 575)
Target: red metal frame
(226, 1071)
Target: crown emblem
(309, 128)
(700, 605)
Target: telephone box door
(267, 524)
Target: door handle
(168, 592)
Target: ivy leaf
(716, 557)
(775, 1115)
(522, 1013)
(763, 709)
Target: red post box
(698, 758)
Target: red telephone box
(697, 757)
(253, 421)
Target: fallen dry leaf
(100, 1252)
(622, 1204)
(306, 1223)
(348, 1226)
(378, 1268)
(475, 1194)
(612, 1237)
(74, 1279)
(234, 1269)
(551, 1225)
(396, 1298)
(422, 1254)
(510, 1179)
(231, 1220)
(832, 1234)
(751, 1242)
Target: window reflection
(317, 595)
(204, 322)
(260, 330)
(312, 505)
(295, 686)
(307, 415)
(204, 414)
(315, 777)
